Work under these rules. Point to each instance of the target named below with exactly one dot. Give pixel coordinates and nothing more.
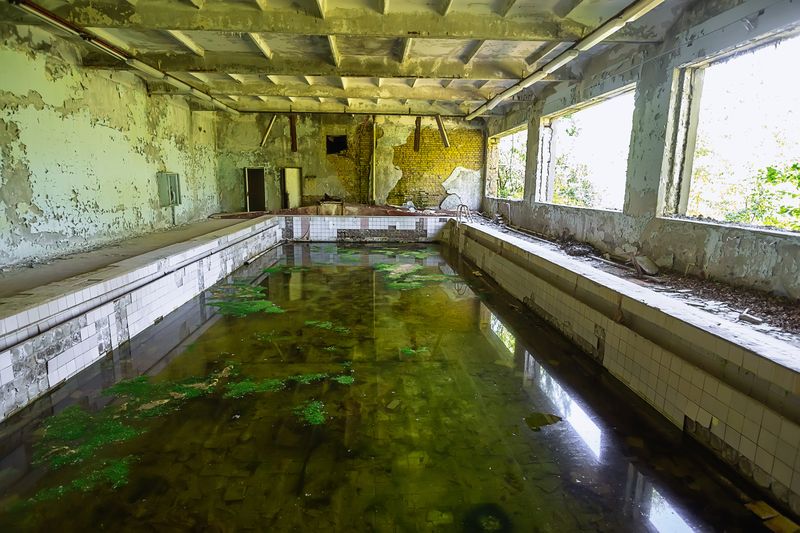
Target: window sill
(498, 199)
(768, 232)
(582, 208)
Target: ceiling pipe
(108, 48)
(631, 13)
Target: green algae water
(351, 388)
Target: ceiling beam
(406, 51)
(359, 106)
(187, 41)
(370, 67)
(472, 52)
(321, 6)
(262, 4)
(539, 55)
(297, 90)
(383, 7)
(239, 17)
(335, 55)
(262, 45)
(505, 7)
(446, 5)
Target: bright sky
(602, 142)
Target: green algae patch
(74, 435)
(277, 269)
(307, 379)
(536, 421)
(410, 352)
(327, 325)
(245, 387)
(312, 413)
(246, 307)
(113, 473)
(344, 380)
(407, 276)
(241, 299)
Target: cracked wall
(435, 171)
(759, 258)
(80, 149)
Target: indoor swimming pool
(375, 387)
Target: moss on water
(312, 413)
(344, 380)
(74, 435)
(245, 387)
(409, 352)
(306, 379)
(113, 473)
(246, 307)
(329, 326)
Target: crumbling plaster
(80, 149)
(768, 260)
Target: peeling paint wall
(80, 149)
(763, 259)
(399, 171)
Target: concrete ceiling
(353, 56)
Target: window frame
(687, 93)
(544, 182)
(492, 142)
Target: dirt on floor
(772, 315)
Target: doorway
(292, 188)
(255, 189)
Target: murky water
(389, 395)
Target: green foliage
(511, 162)
(571, 185)
(312, 413)
(247, 386)
(774, 201)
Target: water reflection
(569, 410)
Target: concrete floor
(21, 279)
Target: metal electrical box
(169, 189)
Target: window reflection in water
(641, 496)
(588, 431)
(505, 336)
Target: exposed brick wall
(353, 166)
(424, 171)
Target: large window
(583, 153)
(737, 139)
(507, 157)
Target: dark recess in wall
(336, 144)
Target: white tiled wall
(54, 339)
(737, 388)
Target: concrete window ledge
(51, 333)
(734, 389)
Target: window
(583, 153)
(335, 144)
(507, 156)
(737, 156)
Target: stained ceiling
(346, 56)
